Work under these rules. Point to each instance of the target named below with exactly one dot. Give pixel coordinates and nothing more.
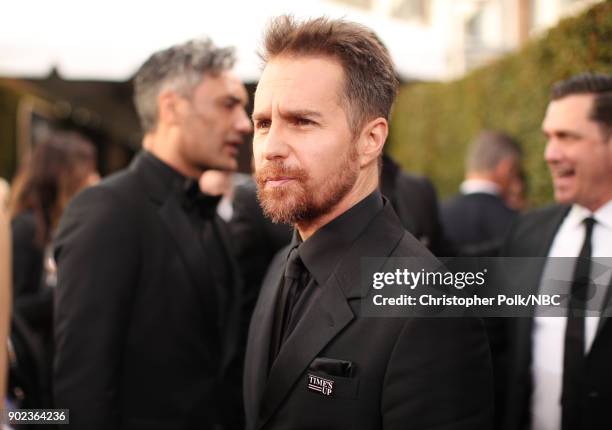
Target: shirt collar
(471, 186)
(603, 215)
(322, 252)
(166, 173)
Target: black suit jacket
(415, 202)
(532, 236)
(138, 345)
(27, 256)
(409, 373)
(476, 223)
(32, 305)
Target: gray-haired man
(146, 316)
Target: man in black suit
(560, 375)
(147, 323)
(415, 202)
(313, 359)
(476, 221)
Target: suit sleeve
(439, 377)
(97, 254)
(33, 299)
(416, 203)
(430, 198)
(248, 235)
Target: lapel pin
(320, 385)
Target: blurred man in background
(476, 220)
(147, 318)
(560, 376)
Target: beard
(298, 201)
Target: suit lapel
(260, 333)
(536, 245)
(190, 249)
(326, 318)
(550, 227)
(164, 195)
(187, 242)
(321, 323)
(232, 300)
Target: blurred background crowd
(464, 155)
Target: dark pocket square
(333, 367)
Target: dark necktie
(573, 358)
(294, 281)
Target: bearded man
(313, 360)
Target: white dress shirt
(548, 337)
(471, 186)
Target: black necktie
(294, 281)
(573, 358)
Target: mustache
(274, 170)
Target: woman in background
(58, 169)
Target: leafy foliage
(433, 123)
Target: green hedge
(433, 123)
(9, 99)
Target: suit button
(593, 394)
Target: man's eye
(303, 121)
(262, 124)
(567, 137)
(230, 103)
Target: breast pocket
(334, 378)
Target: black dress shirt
(321, 252)
(193, 202)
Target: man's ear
(504, 172)
(373, 137)
(167, 103)
(505, 168)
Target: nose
(552, 152)
(273, 144)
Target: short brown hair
(370, 85)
